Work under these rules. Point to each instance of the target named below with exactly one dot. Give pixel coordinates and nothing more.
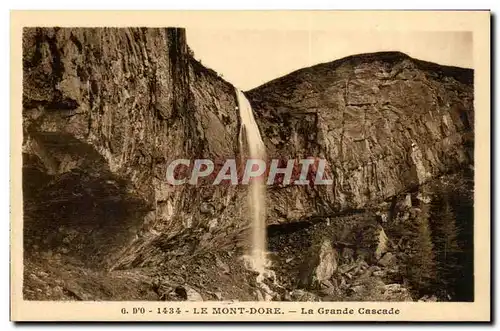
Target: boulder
(223, 267)
(358, 289)
(387, 260)
(303, 296)
(327, 262)
(187, 293)
(427, 298)
(396, 292)
(380, 273)
(319, 264)
(207, 208)
(382, 243)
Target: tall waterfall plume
(257, 257)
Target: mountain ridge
(464, 75)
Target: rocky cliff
(384, 122)
(105, 111)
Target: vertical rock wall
(105, 110)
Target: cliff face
(105, 111)
(384, 122)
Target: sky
(249, 58)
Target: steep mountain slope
(384, 122)
(105, 111)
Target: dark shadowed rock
(105, 111)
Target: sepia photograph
(252, 172)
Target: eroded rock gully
(106, 110)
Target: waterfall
(257, 257)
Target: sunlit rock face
(385, 123)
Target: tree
(445, 233)
(421, 266)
